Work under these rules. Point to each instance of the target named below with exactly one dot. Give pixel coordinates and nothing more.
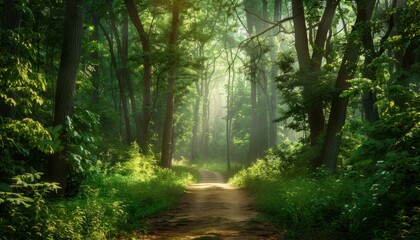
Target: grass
(111, 203)
(214, 165)
(321, 206)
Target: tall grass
(349, 205)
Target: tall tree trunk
(121, 84)
(273, 75)
(147, 74)
(124, 71)
(262, 92)
(316, 111)
(253, 139)
(194, 140)
(253, 68)
(10, 21)
(262, 112)
(371, 112)
(205, 117)
(228, 116)
(196, 116)
(127, 77)
(302, 50)
(64, 99)
(310, 68)
(339, 104)
(166, 160)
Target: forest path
(211, 209)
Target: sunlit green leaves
(15, 132)
(19, 78)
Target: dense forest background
(316, 101)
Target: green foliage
(107, 205)
(216, 165)
(82, 134)
(378, 202)
(21, 138)
(24, 207)
(283, 160)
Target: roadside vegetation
(113, 200)
(375, 195)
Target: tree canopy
(293, 89)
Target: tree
(273, 74)
(166, 160)
(66, 83)
(10, 22)
(258, 140)
(122, 84)
(143, 139)
(310, 67)
(331, 146)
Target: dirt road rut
(211, 209)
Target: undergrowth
(112, 202)
(353, 204)
(215, 165)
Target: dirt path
(211, 209)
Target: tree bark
(316, 116)
(331, 146)
(127, 77)
(262, 92)
(147, 74)
(310, 68)
(255, 135)
(205, 117)
(64, 99)
(273, 75)
(166, 159)
(194, 140)
(371, 112)
(121, 85)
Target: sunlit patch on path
(211, 209)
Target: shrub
(108, 204)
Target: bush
(109, 203)
(351, 205)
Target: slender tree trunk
(121, 85)
(66, 83)
(127, 77)
(253, 68)
(371, 112)
(262, 112)
(316, 110)
(205, 118)
(124, 71)
(229, 118)
(310, 68)
(194, 141)
(147, 74)
(339, 104)
(273, 75)
(199, 92)
(253, 142)
(166, 160)
(262, 92)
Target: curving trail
(211, 209)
